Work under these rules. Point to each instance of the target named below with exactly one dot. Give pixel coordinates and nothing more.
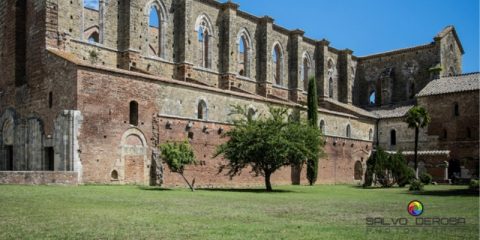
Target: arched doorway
(134, 161)
(7, 141)
(358, 171)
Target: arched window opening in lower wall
(349, 131)
(134, 113)
(330, 88)
(322, 126)
(114, 175)
(358, 171)
(393, 137)
(456, 110)
(202, 110)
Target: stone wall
(165, 109)
(459, 133)
(38, 177)
(125, 43)
(404, 136)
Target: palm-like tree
(417, 117)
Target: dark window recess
(134, 113)
(114, 175)
(50, 99)
(393, 138)
(9, 157)
(49, 159)
(456, 110)
(20, 42)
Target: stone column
(228, 51)
(321, 50)
(184, 25)
(445, 175)
(264, 56)
(345, 80)
(295, 60)
(128, 35)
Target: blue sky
(373, 26)
(93, 4)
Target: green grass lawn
(292, 212)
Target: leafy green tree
(417, 117)
(388, 169)
(267, 143)
(178, 156)
(312, 114)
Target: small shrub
(416, 185)
(425, 178)
(473, 185)
(178, 156)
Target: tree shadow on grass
(371, 187)
(446, 193)
(153, 188)
(244, 190)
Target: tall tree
(267, 143)
(312, 103)
(417, 117)
(178, 156)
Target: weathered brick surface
(90, 86)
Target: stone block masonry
(93, 90)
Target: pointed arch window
(154, 32)
(322, 126)
(94, 37)
(93, 21)
(204, 40)
(204, 33)
(243, 56)
(277, 64)
(306, 69)
(349, 131)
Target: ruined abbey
(89, 88)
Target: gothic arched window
(278, 64)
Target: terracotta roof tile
(459, 83)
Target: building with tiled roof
(452, 84)
(89, 89)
